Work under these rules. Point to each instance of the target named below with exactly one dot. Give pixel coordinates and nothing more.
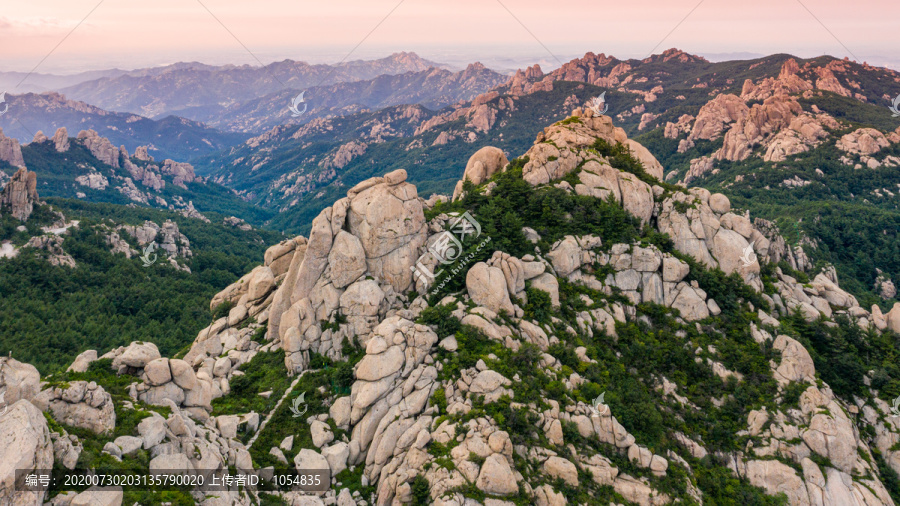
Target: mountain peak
(408, 55)
(410, 61)
(677, 55)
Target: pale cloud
(31, 26)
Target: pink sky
(130, 34)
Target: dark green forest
(49, 314)
(56, 173)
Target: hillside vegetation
(50, 313)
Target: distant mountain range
(169, 137)
(23, 82)
(205, 103)
(433, 88)
(190, 88)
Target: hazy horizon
(503, 36)
(499, 60)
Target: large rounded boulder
(486, 162)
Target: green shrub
(439, 399)
(539, 307)
(264, 372)
(441, 318)
(421, 491)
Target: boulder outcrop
(80, 404)
(100, 147)
(25, 444)
(18, 381)
(19, 195)
(378, 230)
(61, 140)
(10, 151)
(486, 162)
(863, 141)
(560, 148)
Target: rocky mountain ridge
(167, 137)
(180, 88)
(292, 167)
(648, 81)
(795, 140)
(90, 167)
(778, 125)
(485, 384)
(433, 88)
